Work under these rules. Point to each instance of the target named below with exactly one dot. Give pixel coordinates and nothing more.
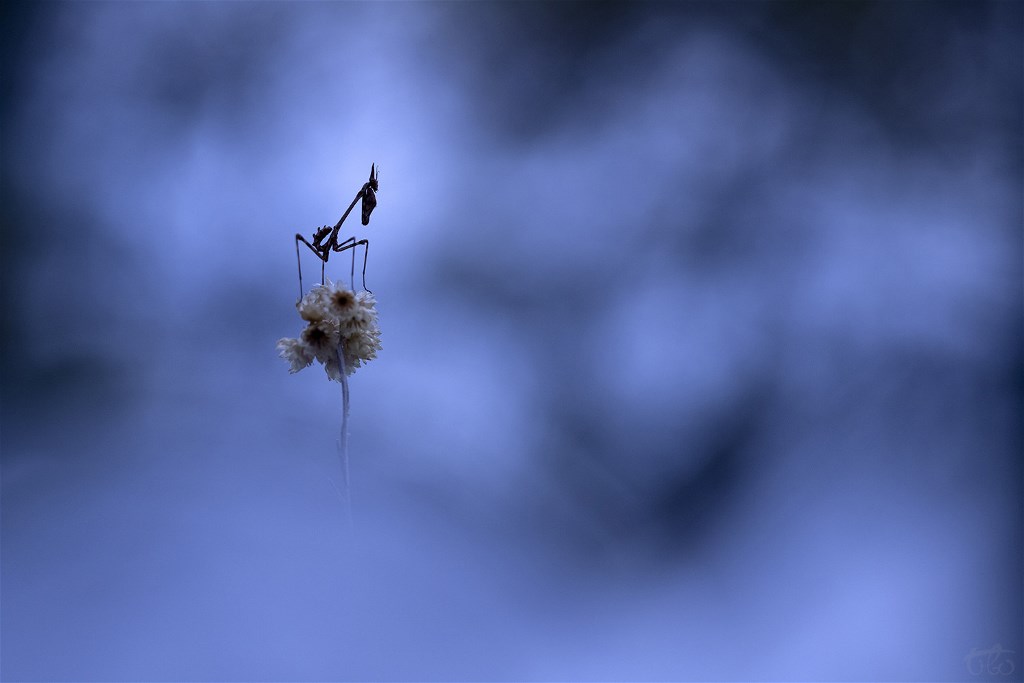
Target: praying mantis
(323, 250)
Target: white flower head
(360, 348)
(338, 320)
(313, 307)
(322, 338)
(366, 299)
(341, 302)
(295, 352)
(333, 368)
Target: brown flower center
(343, 299)
(315, 335)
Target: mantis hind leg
(351, 243)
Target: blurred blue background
(702, 338)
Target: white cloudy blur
(702, 341)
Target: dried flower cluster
(337, 318)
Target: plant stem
(346, 498)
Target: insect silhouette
(323, 249)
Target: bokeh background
(702, 341)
